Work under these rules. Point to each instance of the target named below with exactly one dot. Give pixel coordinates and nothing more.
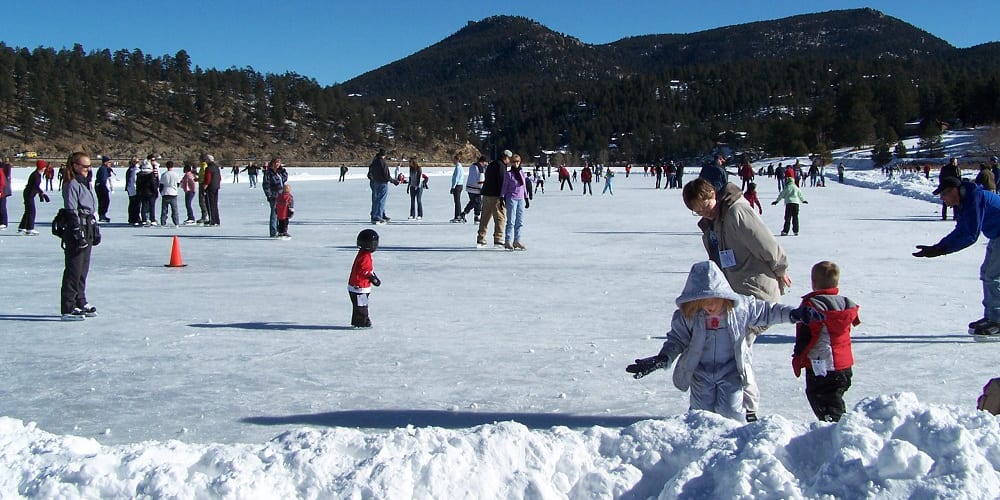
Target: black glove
(929, 251)
(374, 279)
(774, 203)
(806, 315)
(291, 212)
(97, 237)
(645, 366)
(527, 203)
(44, 197)
(77, 238)
(806, 202)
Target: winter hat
(105, 159)
(715, 175)
(41, 164)
(947, 182)
(706, 281)
(146, 166)
(210, 158)
(507, 153)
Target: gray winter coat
(760, 261)
(686, 338)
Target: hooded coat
(686, 339)
(760, 261)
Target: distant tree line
(783, 107)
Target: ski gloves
(929, 251)
(374, 280)
(645, 366)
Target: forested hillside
(791, 86)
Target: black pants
(133, 209)
(456, 192)
(28, 219)
(587, 188)
(791, 216)
(359, 313)
(826, 394)
(565, 181)
(3, 209)
(475, 204)
(74, 279)
(282, 226)
(944, 212)
(212, 203)
(103, 202)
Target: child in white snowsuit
(707, 338)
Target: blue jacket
(978, 212)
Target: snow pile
(888, 446)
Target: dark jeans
(168, 201)
(188, 198)
(565, 181)
(147, 205)
(791, 216)
(826, 394)
(586, 188)
(282, 226)
(74, 279)
(359, 313)
(103, 202)
(3, 210)
(28, 219)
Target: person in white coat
(169, 182)
(708, 340)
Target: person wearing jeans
(275, 177)
(515, 200)
(189, 184)
(168, 192)
(378, 180)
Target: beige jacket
(760, 261)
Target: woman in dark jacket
(416, 189)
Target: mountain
(502, 53)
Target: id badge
(819, 367)
(727, 258)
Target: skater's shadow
(270, 325)
(914, 218)
(392, 419)
(29, 317)
(187, 236)
(383, 249)
(909, 339)
(651, 233)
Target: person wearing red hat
(31, 189)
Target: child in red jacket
(362, 279)
(823, 348)
(284, 208)
(751, 196)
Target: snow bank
(888, 446)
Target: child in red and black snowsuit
(284, 208)
(362, 279)
(751, 196)
(823, 348)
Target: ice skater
(363, 278)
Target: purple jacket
(511, 187)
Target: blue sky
(334, 41)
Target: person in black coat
(213, 182)
(950, 170)
(31, 189)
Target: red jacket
(586, 175)
(841, 314)
(284, 205)
(361, 271)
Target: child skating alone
(363, 278)
(793, 197)
(707, 338)
(284, 209)
(823, 347)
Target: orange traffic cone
(175, 254)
